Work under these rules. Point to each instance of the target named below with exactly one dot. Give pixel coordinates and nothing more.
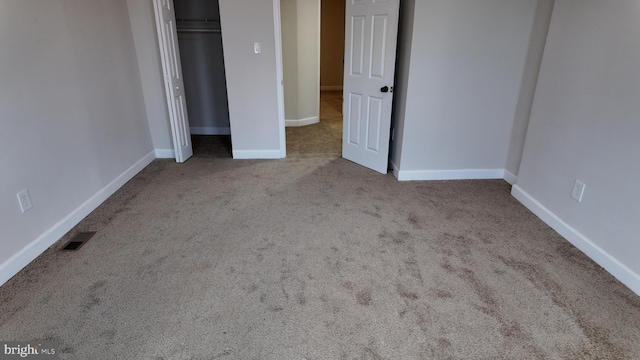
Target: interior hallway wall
(145, 39)
(301, 60)
(332, 32)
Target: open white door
(369, 69)
(174, 87)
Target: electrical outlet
(578, 190)
(257, 48)
(25, 200)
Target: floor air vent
(78, 240)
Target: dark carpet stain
(364, 297)
(349, 285)
(442, 294)
(414, 220)
(405, 293)
(400, 237)
(371, 213)
(92, 299)
(109, 335)
(370, 353)
(452, 245)
(302, 300)
(414, 268)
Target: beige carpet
(317, 258)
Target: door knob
(177, 88)
(384, 89)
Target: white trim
(331, 88)
(597, 254)
(27, 254)
(177, 123)
(210, 130)
(257, 154)
(412, 175)
(279, 79)
(165, 154)
(301, 122)
(394, 168)
(510, 177)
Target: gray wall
(403, 69)
(466, 64)
(528, 85)
(72, 114)
(252, 80)
(150, 68)
(585, 124)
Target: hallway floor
(323, 138)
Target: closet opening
(205, 87)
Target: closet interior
(201, 54)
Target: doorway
(313, 35)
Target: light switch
(256, 48)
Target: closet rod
(199, 30)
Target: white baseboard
(165, 154)
(36, 247)
(597, 254)
(331, 88)
(258, 154)
(301, 122)
(210, 130)
(394, 168)
(510, 177)
(413, 175)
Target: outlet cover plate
(578, 190)
(25, 200)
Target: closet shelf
(198, 30)
(198, 26)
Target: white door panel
(174, 86)
(370, 54)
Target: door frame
(277, 25)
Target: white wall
(148, 54)
(73, 125)
(585, 124)
(253, 83)
(301, 60)
(467, 61)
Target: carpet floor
(317, 258)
